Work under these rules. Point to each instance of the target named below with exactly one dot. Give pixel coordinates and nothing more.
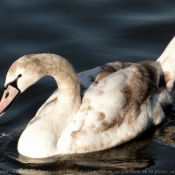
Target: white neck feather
(68, 100)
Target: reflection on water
(168, 134)
(127, 157)
(130, 157)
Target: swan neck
(68, 85)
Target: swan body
(96, 110)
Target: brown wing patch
(101, 116)
(115, 122)
(75, 134)
(164, 79)
(109, 125)
(141, 87)
(110, 68)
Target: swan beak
(9, 95)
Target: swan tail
(167, 62)
(169, 51)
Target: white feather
(119, 102)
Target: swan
(96, 110)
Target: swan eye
(7, 94)
(20, 75)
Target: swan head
(24, 72)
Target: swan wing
(115, 109)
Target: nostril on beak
(7, 94)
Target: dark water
(87, 33)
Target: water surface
(87, 33)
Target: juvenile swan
(119, 102)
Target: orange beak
(9, 95)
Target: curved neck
(50, 126)
(68, 100)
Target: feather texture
(96, 110)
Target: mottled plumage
(116, 109)
(96, 110)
